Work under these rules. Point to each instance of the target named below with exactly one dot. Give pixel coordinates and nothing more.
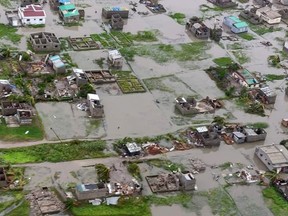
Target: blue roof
(64, 1)
(54, 58)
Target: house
(187, 181)
(189, 106)
(44, 42)
(115, 58)
(13, 18)
(56, 3)
(117, 22)
(132, 149)
(207, 138)
(107, 12)
(284, 122)
(95, 107)
(245, 78)
(3, 178)
(235, 24)
(267, 95)
(268, 15)
(32, 15)
(238, 137)
(198, 28)
(274, 157)
(81, 78)
(91, 191)
(24, 116)
(57, 64)
(68, 13)
(255, 134)
(223, 3)
(251, 16)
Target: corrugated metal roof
(241, 25)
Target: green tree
(103, 172)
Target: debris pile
(197, 165)
(154, 148)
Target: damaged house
(54, 4)
(115, 58)
(57, 64)
(91, 191)
(5, 88)
(95, 107)
(206, 137)
(274, 157)
(251, 16)
(107, 12)
(245, 78)
(268, 15)
(235, 24)
(191, 106)
(24, 117)
(80, 76)
(198, 28)
(117, 22)
(267, 95)
(21, 111)
(68, 13)
(44, 41)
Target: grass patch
(36, 132)
(275, 202)
(262, 125)
(246, 36)
(162, 53)
(220, 202)
(165, 164)
(261, 30)
(23, 210)
(37, 26)
(272, 77)
(235, 46)
(9, 33)
(133, 206)
(16, 197)
(241, 57)
(205, 8)
(5, 3)
(179, 17)
(134, 170)
(128, 83)
(155, 83)
(74, 150)
(224, 61)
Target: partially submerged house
(245, 78)
(268, 15)
(24, 116)
(68, 13)
(91, 191)
(81, 78)
(32, 15)
(238, 137)
(188, 106)
(57, 64)
(117, 22)
(274, 157)
(207, 138)
(255, 134)
(96, 109)
(223, 3)
(44, 41)
(107, 12)
(115, 58)
(267, 95)
(235, 24)
(198, 28)
(132, 149)
(56, 3)
(251, 16)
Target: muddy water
(178, 210)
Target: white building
(268, 15)
(275, 157)
(115, 58)
(32, 15)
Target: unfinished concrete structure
(251, 16)
(10, 108)
(3, 178)
(117, 22)
(83, 43)
(24, 116)
(198, 28)
(190, 106)
(81, 78)
(13, 18)
(44, 42)
(255, 134)
(96, 109)
(91, 191)
(207, 138)
(44, 202)
(107, 12)
(275, 157)
(115, 58)
(100, 76)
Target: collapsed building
(96, 109)
(198, 28)
(44, 41)
(207, 137)
(265, 95)
(169, 182)
(117, 22)
(80, 76)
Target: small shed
(57, 64)
(284, 122)
(133, 149)
(238, 137)
(115, 58)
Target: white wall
(33, 20)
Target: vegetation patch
(224, 61)
(272, 77)
(165, 164)
(155, 83)
(246, 36)
(179, 17)
(134, 170)
(241, 57)
(220, 202)
(128, 82)
(261, 30)
(9, 33)
(13, 197)
(262, 125)
(205, 8)
(275, 202)
(162, 53)
(74, 150)
(105, 39)
(23, 210)
(31, 132)
(103, 172)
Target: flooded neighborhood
(150, 108)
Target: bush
(103, 172)
(134, 170)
